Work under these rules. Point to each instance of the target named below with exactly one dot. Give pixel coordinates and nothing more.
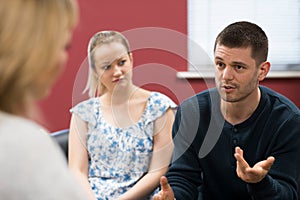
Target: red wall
(157, 33)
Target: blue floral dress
(119, 157)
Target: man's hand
(166, 192)
(251, 174)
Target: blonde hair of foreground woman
(32, 33)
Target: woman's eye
(122, 62)
(67, 47)
(106, 67)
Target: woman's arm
(78, 155)
(160, 160)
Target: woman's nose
(117, 70)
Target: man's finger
(156, 197)
(239, 151)
(269, 162)
(241, 162)
(164, 183)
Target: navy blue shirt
(203, 165)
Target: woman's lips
(117, 80)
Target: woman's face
(113, 65)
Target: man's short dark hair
(242, 35)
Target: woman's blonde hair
(94, 86)
(31, 35)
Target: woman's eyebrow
(110, 62)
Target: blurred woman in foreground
(34, 37)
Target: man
(238, 140)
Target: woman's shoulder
(87, 110)
(86, 105)
(158, 98)
(30, 151)
(157, 106)
(31, 136)
(154, 98)
(16, 124)
(90, 101)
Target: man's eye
(220, 64)
(239, 67)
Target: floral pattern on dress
(119, 157)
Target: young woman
(120, 141)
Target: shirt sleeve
(282, 180)
(184, 174)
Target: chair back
(62, 138)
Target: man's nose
(228, 73)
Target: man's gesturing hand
(166, 192)
(251, 174)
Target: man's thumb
(164, 184)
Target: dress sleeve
(158, 105)
(87, 110)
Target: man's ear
(263, 70)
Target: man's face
(236, 73)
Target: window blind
(279, 19)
